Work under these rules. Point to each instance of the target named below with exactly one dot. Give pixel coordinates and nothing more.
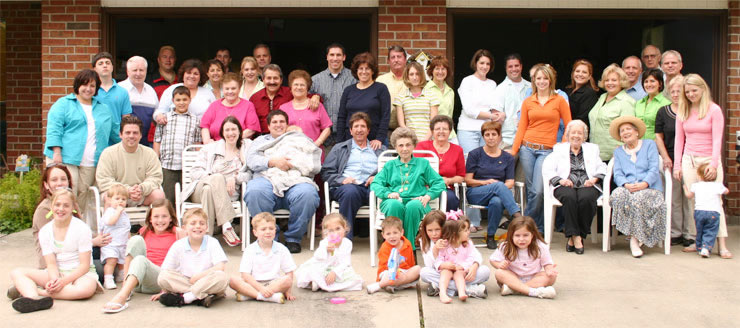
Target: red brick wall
(413, 24)
(70, 38)
(23, 78)
(733, 106)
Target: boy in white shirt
(193, 270)
(261, 265)
(116, 222)
(707, 206)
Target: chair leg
(373, 232)
(606, 229)
(595, 230)
(313, 231)
(549, 215)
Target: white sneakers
(506, 291)
(704, 253)
(372, 288)
(635, 247)
(546, 292)
(109, 282)
(477, 291)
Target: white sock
(225, 226)
(276, 297)
(188, 297)
(108, 276)
(533, 291)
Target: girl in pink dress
(454, 261)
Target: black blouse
(581, 101)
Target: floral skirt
(639, 214)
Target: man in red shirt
(274, 94)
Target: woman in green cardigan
(615, 102)
(647, 108)
(407, 184)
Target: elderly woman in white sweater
(575, 170)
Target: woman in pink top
(230, 105)
(315, 124)
(145, 253)
(699, 129)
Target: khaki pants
(214, 282)
(689, 164)
(144, 270)
(211, 193)
(83, 177)
(681, 213)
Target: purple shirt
(312, 122)
(243, 111)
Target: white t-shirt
(78, 240)
(119, 232)
(263, 266)
(181, 257)
(88, 156)
(198, 103)
(707, 195)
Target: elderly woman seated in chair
(576, 171)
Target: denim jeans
(707, 226)
(531, 161)
(470, 140)
(350, 198)
(301, 200)
(497, 197)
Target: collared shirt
(636, 91)
(264, 105)
(116, 98)
(243, 92)
(508, 98)
(602, 115)
(183, 259)
(330, 89)
(362, 162)
(159, 83)
(182, 130)
(417, 110)
(265, 267)
(539, 123)
(577, 171)
(209, 86)
(446, 101)
(647, 111)
(395, 86)
(146, 98)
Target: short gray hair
(635, 58)
(671, 52)
(575, 124)
(135, 59)
(403, 133)
(273, 67)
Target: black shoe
(293, 247)
(687, 242)
(432, 291)
(172, 299)
(491, 242)
(570, 248)
(27, 304)
(677, 240)
(579, 251)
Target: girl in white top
(430, 233)
(66, 244)
(477, 97)
(330, 268)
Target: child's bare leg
(27, 280)
(459, 277)
(110, 265)
(541, 280)
(444, 281)
(407, 277)
(128, 285)
(242, 287)
(83, 288)
(283, 285)
(510, 279)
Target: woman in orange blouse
(536, 134)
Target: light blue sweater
(67, 128)
(645, 169)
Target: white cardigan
(558, 162)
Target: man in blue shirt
(632, 66)
(350, 168)
(115, 97)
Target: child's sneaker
(27, 304)
(13, 293)
(477, 291)
(241, 298)
(546, 292)
(276, 298)
(109, 283)
(172, 299)
(372, 288)
(390, 289)
(432, 290)
(705, 253)
(506, 291)
(208, 300)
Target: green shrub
(18, 200)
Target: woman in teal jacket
(407, 184)
(69, 140)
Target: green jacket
(602, 115)
(422, 179)
(647, 112)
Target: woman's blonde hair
(549, 73)
(419, 70)
(624, 81)
(684, 104)
(245, 60)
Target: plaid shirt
(330, 89)
(182, 130)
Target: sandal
(474, 229)
(116, 310)
(690, 249)
(725, 254)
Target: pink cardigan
(700, 137)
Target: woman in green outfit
(407, 184)
(615, 102)
(438, 69)
(647, 108)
